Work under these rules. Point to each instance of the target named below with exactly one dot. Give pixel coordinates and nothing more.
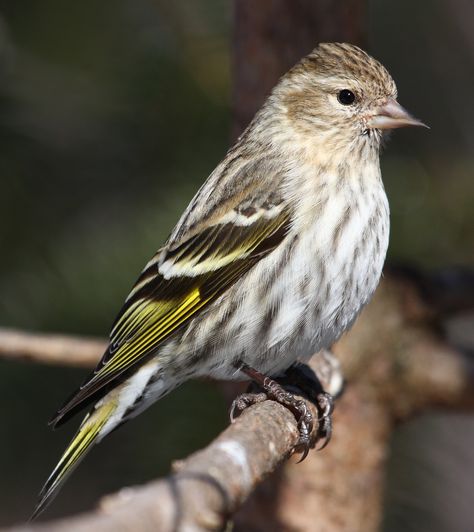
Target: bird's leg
(273, 390)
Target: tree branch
(50, 348)
(403, 368)
(207, 488)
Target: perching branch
(207, 488)
(401, 368)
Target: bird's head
(342, 96)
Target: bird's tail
(90, 430)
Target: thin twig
(50, 348)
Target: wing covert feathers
(176, 285)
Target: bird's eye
(346, 97)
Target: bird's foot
(298, 407)
(304, 379)
(325, 404)
(243, 401)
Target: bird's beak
(391, 115)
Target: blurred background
(112, 114)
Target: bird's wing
(179, 282)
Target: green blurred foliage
(112, 114)
(107, 132)
(428, 46)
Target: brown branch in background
(50, 348)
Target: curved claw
(325, 429)
(325, 404)
(304, 454)
(305, 438)
(327, 439)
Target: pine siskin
(272, 260)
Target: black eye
(346, 97)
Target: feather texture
(85, 437)
(186, 279)
(272, 260)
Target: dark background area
(111, 116)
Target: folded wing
(177, 284)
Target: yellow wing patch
(157, 320)
(159, 305)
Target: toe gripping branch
(299, 379)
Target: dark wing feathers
(175, 288)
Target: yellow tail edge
(80, 444)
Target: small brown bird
(273, 259)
